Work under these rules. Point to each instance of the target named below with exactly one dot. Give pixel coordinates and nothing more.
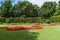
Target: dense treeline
(26, 9)
(20, 9)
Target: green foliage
(55, 19)
(59, 3)
(22, 20)
(2, 20)
(57, 12)
(0, 11)
(26, 20)
(23, 12)
(25, 8)
(6, 8)
(47, 9)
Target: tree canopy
(27, 9)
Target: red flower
(10, 28)
(38, 26)
(18, 28)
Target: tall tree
(0, 11)
(59, 3)
(57, 10)
(47, 9)
(26, 9)
(6, 8)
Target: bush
(48, 21)
(22, 20)
(55, 19)
(2, 20)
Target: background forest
(26, 12)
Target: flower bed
(18, 27)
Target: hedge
(55, 19)
(22, 20)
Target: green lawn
(47, 33)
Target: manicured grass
(47, 33)
(50, 33)
(18, 35)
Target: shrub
(55, 19)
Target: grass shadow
(18, 35)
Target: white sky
(40, 2)
(37, 2)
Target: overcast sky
(37, 2)
(40, 2)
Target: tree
(31, 10)
(0, 11)
(25, 9)
(7, 8)
(59, 3)
(47, 9)
(57, 10)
